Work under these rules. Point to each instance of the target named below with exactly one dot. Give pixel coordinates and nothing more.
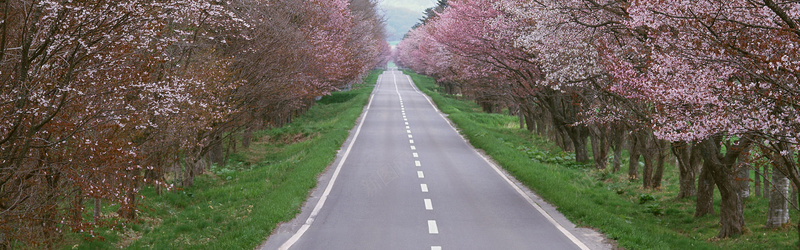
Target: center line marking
(432, 228)
(416, 155)
(411, 141)
(527, 198)
(424, 187)
(420, 174)
(406, 123)
(428, 204)
(408, 131)
(410, 136)
(417, 163)
(408, 127)
(413, 148)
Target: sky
(402, 14)
(416, 5)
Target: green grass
(238, 205)
(600, 199)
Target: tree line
(712, 84)
(100, 98)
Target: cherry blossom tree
(99, 98)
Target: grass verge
(238, 205)
(600, 199)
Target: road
(407, 180)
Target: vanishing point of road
(406, 179)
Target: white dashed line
(413, 148)
(428, 204)
(417, 163)
(410, 136)
(411, 141)
(423, 187)
(432, 228)
(404, 119)
(408, 131)
(436, 248)
(420, 174)
(527, 198)
(408, 127)
(406, 123)
(416, 155)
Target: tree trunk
(97, 206)
(188, 173)
(722, 170)
(618, 140)
(216, 152)
(578, 138)
(633, 162)
(732, 208)
(247, 137)
(766, 182)
(757, 182)
(534, 126)
(599, 139)
(661, 157)
(686, 172)
(743, 180)
(647, 172)
(705, 193)
(778, 213)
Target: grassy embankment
(621, 209)
(238, 205)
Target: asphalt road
(407, 180)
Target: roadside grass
(635, 218)
(236, 206)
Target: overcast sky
(415, 5)
(402, 14)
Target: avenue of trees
(99, 98)
(713, 84)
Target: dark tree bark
(617, 142)
(661, 156)
(705, 193)
(247, 137)
(600, 145)
(686, 179)
(97, 206)
(577, 135)
(721, 167)
(633, 162)
(216, 152)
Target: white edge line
(286, 245)
(497, 169)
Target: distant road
(407, 180)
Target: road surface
(407, 180)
